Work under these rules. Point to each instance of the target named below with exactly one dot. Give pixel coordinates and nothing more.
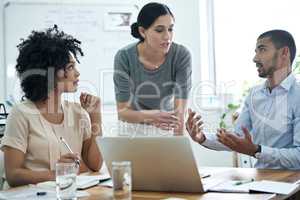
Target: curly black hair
(41, 55)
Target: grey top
(152, 89)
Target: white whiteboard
(95, 25)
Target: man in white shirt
(268, 128)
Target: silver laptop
(158, 163)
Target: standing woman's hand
(92, 105)
(164, 120)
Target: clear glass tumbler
(66, 180)
(122, 183)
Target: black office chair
(3, 117)
(3, 113)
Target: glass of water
(66, 180)
(121, 175)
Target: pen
(205, 175)
(77, 161)
(41, 193)
(243, 182)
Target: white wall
(187, 32)
(2, 72)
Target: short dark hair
(146, 17)
(41, 55)
(281, 38)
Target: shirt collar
(285, 84)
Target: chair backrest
(3, 113)
(3, 116)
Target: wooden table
(104, 193)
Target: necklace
(147, 64)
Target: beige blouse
(28, 131)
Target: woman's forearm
(96, 123)
(180, 108)
(21, 176)
(91, 154)
(133, 116)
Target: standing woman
(152, 77)
(46, 66)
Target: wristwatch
(257, 153)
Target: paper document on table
(232, 186)
(27, 193)
(255, 186)
(31, 193)
(274, 187)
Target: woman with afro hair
(46, 66)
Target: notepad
(263, 186)
(107, 183)
(82, 181)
